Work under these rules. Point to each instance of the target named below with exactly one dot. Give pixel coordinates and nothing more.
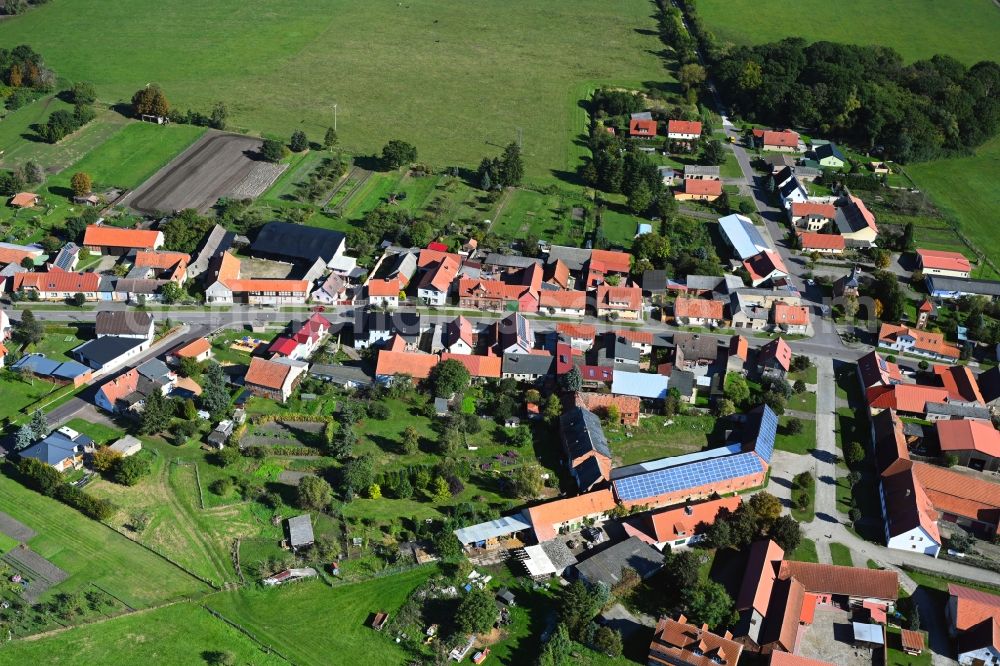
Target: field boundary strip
(267, 649)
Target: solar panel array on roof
(764, 443)
(672, 479)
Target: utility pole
(520, 138)
(334, 117)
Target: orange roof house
(113, 240)
(640, 128)
(904, 338)
(689, 310)
(790, 317)
(960, 382)
(779, 658)
(679, 523)
(628, 406)
(546, 519)
(969, 435)
(682, 129)
(195, 349)
(636, 337)
(967, 607)
(577, 331)
(57, 284)
(700, 189)
(271, 379)
(785, 139)
(626, 301)
(678, 643)
(957, 494)
(613, 261)
(939, 262)
(563, 300)
(907, 398)
(414, 364)
(830, 243)
(24, 200)
(813, 209)
(776, 355)
(739, 347)
(764, 266)
(172, 264)
(478, 366)
(12, 256)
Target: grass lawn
(965, 187)
(965, 29)
(6, 543)
(59, 340)
(807, 514)
(394, 70)
(808, 375)
(803, 402)
(806, 552)
(93, 553)
(802, 442)
(99, 432)
(316, 621)
(18, 394)
(652, 438)
(15, 130)
(177, 634)
(130, 156)
(544, 216)
(841, 555)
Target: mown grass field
(177, 634)
(316, 622)
(129, 157)
(93, 553)
(456, 79)
(965, 29)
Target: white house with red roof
(784, 141)
(302, 339)
(856, 223)
(58, 285)
(435, 285)
(642, 128)
(683, 130)
(114, 241)
(774, 358)
(766, 266)
(619, 302)
(940, 262)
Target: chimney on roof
(728, 635)
(704, 626)
(689, 510)
(682, 619)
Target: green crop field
(965, 29)
(315, 621)
(456, 79)
(130, 156)
(178, 634)
(93, 553)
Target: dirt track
(211, 168)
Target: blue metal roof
(700, 473)
(70, 370)
(742, 235)
(37, 363)
(763, 444)
(640, 384)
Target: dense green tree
(713, 153)
(156, 413)
(30, 331)
(448, 378)
(511, 170)
(608, 641)
(359, 473)
(150, 101)
(650, 251)
(24, 438)
(572, 381)
(272, 150)
(526, 481)
(559, 650)
(81, 183)
(477, 613)
(640, 198)
(330, 138)
(396, 153)
(214, 396)
(185, 231)
(709, 603)
(129, 471)
(410, 440)
(299, 141)
(786, 532)
(314, 494)
(82, 92)
(39, 424)
(737, 389)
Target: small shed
(221, 434)
(913, 642)
(127, 446)
(300, 532)
(24, 200)
(506, 597)
(441, 406)
(378, 622)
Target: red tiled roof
(677, 642)
(699, 308)
(910, 398)
(875, 370)
(846, 581)
(946, 261)
(640, 127)
(562, 299)
(683, 127)
(781, 658)
(599, 402)
(415, 364)
(814, 241)
(777, 349)
(266, 373)
(635, 336)
(105, 236)
(438, 246)
(430, 256)
(739, 346)
(383, 287)
(12, 256)
(478, 366)
(440, 278)
(907, 504)
(121, 386)
(913, 641)
(960, 494)
(58, 281)
(699, 186)
(151, 259)
(283, 345)
(969, 434)
(24, 200)
(684, 521)
(865, 213)
(973, 606)
(924, 340)
(807, 208)
(784, 138)
(628, 298)
(792, 315)
(555, 512)
(761, 572)
(579, 331)
(558, 272)
(763, 264)
(193, 348)
(614, 261)
(596, 373)
(472, 288)
(960, 383)
(263, 284)
(229, 268)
